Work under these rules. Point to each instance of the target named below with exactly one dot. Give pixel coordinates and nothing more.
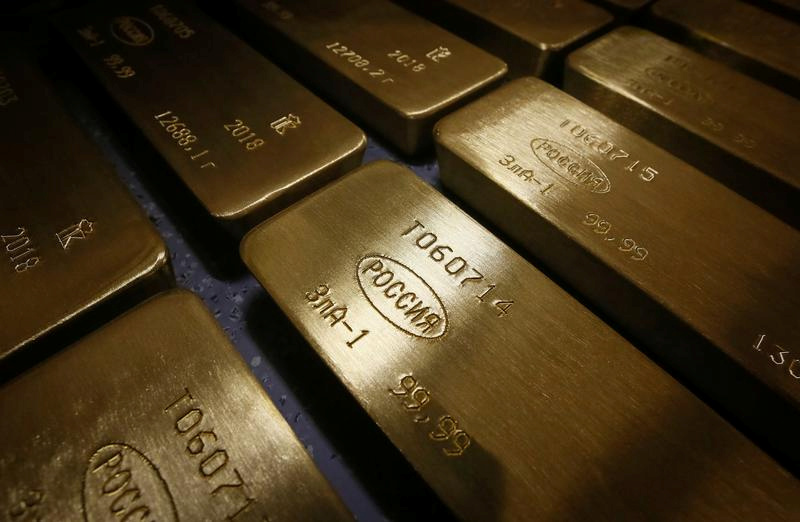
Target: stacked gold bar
(508, 397)
(662, 196)
(733, 128)
(153, 417)
(379, 61)
(743, 36)
(647, 239)
(531, 36)
(74, 245)
(241, 134)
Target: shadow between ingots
(377, 464)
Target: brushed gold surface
(72, 240)
(393, 69)
(731, 127)
(531, 36)
(242, 135)
(153, 417)
(510, 399)
(703, 278)
(758, 43)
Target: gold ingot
(393, 69)
(702, 278)
(729, 126)
(532, 36)
(75, 248)
(508, 397)
(153, 417)
(758, 43)
(245, 138)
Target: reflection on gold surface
(243, 136)
(695, 271)
(509, 398)
(531, 36)
(72, 240)
(731, 127)
(395, 70)
(742, 35)
(153, 417)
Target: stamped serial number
(464, 274)
(596, 141)
(223, 482)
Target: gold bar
(729, 126)
(703, 279)
(508, 397)
(758, 43)
(531, 36)
(75, 248)
(242, 135)
(398, 72)
(153, 417)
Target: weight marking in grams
(182, 135)
(359, 62)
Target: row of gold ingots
(509, 398)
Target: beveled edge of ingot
(150, 271)
(354, 146)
